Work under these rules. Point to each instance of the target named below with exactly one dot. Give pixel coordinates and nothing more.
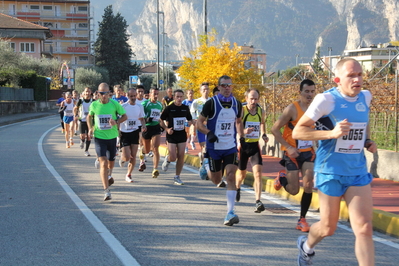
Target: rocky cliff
(282, 28)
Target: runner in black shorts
(130, 132)
(172, 120)
(81, 111)
(254, 127)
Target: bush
(40, 88)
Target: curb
(383, 221)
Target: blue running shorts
(336, 185)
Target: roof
(8, 22)
(151, 68)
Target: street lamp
(329, 62)
(163, 58)
(297, 55)
(158, 43)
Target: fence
(13, 94)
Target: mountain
(282, 28)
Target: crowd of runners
(228, 134)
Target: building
(69, 22)
(256, 58)
(25, 37)
(375, 56)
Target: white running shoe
(87, 153)
(178, 181)
(107, 195)
(121, 163)
(82, 144)
(165, 164)
(128, 179)
(151, 154)
(97, 164)
(192, 145)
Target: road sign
(161, 82)
(133, 79)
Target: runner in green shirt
(105, 112)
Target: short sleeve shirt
(152, 110)
(102, 113)
(176, 116)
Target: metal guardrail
(13, 94)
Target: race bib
(68, 112)
(352, 143)
(255, 133)
(304, 144)
(132, 125)
(103, 122)
(178, 123)
(155, 114)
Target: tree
(316, 64)
(111, 48)
(89, 77)
(213, 59)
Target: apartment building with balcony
(71, 24)
(256, 58)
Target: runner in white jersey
(81, 111)
(130, 130)
(341, 116)
(196, 109)
(68, 118)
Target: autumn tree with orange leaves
(212, 60)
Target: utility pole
(157, 43)
(329, 63)
(205, 11)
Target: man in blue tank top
(341, 116)
(223, 116)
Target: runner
(61, 112)
(105, 113)
(168, 98)
(130, 130)
(74, 124)
(190, 130)
(298, 154)
(254, 127)
(118, 94)
(81, 111)
(196, 109)
(223, 115)
(172, 120)
(68, 118)
(341, 115)
(152, 136)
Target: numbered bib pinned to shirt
(352, 143)
(178, 123)
(103, 122)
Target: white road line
(119, 250)
(284, 203)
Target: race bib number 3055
(352, 143)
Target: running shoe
(178, 180)
(277, 185)
(186, 150)
(71, 140)
(238, 195)
(121, 163)
(142, 157)
(203, 173)
(151, 154)
(67, 145)
(302, 225)
(97, 164)
(303, 257)
(128, 179)
(165, 164)
(142, 166)
(155, 173)
(87, 153)
(231, 218)
(82, 144)
(107, 194)
(222, 184)
(259, 207)
(62, 131)
(192, 145)
(110, 180)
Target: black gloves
(212, 137)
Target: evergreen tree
(317, 64)
(111, 48)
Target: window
(82, 8)
(47, 7)
(34, 8)
(48, 24)
(27, 47)
(83, 58)
(82, 25)
(12, 45)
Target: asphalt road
(52, 213)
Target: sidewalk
(385, 192)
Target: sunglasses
(103, 92)
(225, 85)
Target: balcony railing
(82, 50)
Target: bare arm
(263, 127)
(200, 125)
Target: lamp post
(157, 43)
(329, 63)
(163, 58)
(296, 61)
(167, 72)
